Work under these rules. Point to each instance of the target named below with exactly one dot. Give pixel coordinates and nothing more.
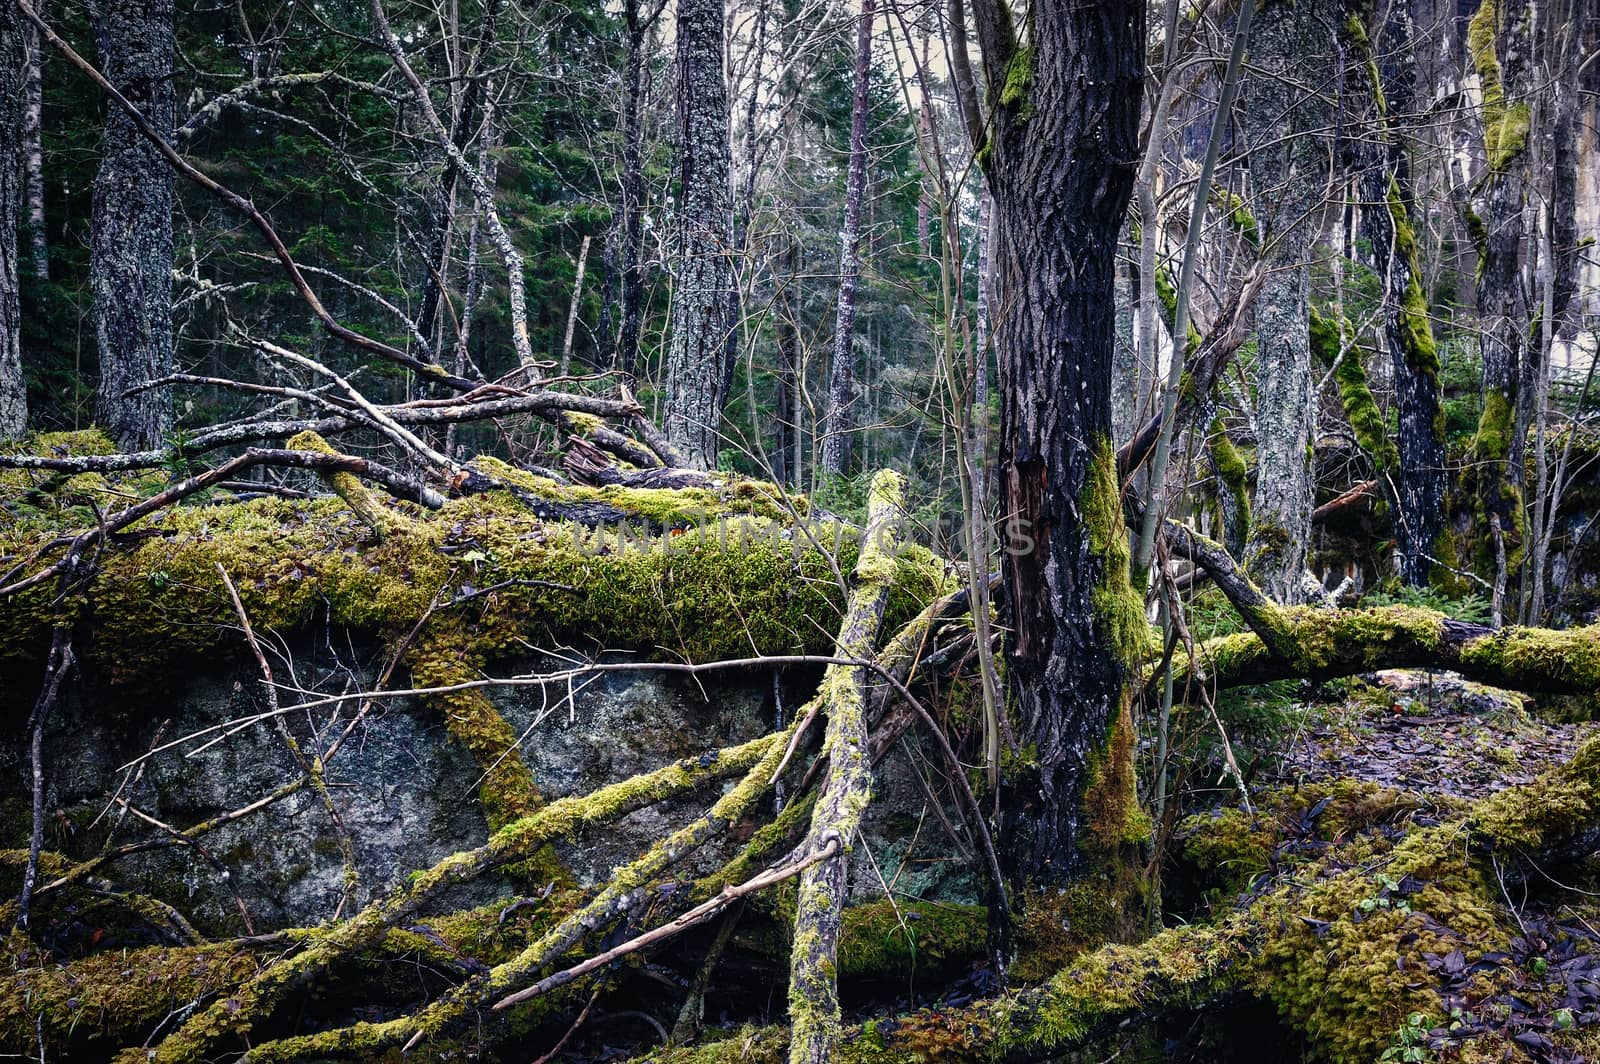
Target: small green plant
(1386, 898)
(1473, 608)
(1410, 1040)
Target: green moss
(749, 584)
(1416, 327)
(1360, 408)
(347, 486)
(1118, 606)
(1167, 293)
(884, 940)
(107, 1000)
(1505, 126)
(1233, 477)
(1019, 83)
(1239, 214)
(1492, 442)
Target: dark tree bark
(705, 221)
(837, 435)
(1417, 491)
(1499, 41)
(131, 258)
(13, 391)
(1062, 145)
(787, 439)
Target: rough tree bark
(130, 269)
(1061, 146)
(13, 391)
(1283, 122)
(1420, 481)
(705, 220)
(819, 905)
(1499, 43)
(836, 437)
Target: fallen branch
(846, 790)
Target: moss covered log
(846, 790)
(697, 574)
(1326, 644)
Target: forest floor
(1432, 733)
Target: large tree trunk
(837, 432)
(1420, 481)
(1283, 124)
(1499, 42)
(1062, 146)
(13, 391)
(131, 259)
(705, 268)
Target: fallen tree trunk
(1323, 645)
(846, 789)
(1342, 970)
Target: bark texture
(633, 192)
(33, 146)
(705, 264)
(13, 392)
(1060, 155)
(1417, 489)
(836, 437)
(131, 257)
(819, 906)
(1498, 42)
(1284, 123)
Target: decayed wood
(847, 788)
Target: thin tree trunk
(837, 435)
(13, 390)
(626, 356)
(130, 271)
(572, 308)
(1063, 134)
(464, 122)
(787, 437)
(705, 220)
(747, 197)
(33, 146)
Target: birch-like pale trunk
(33, 146)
